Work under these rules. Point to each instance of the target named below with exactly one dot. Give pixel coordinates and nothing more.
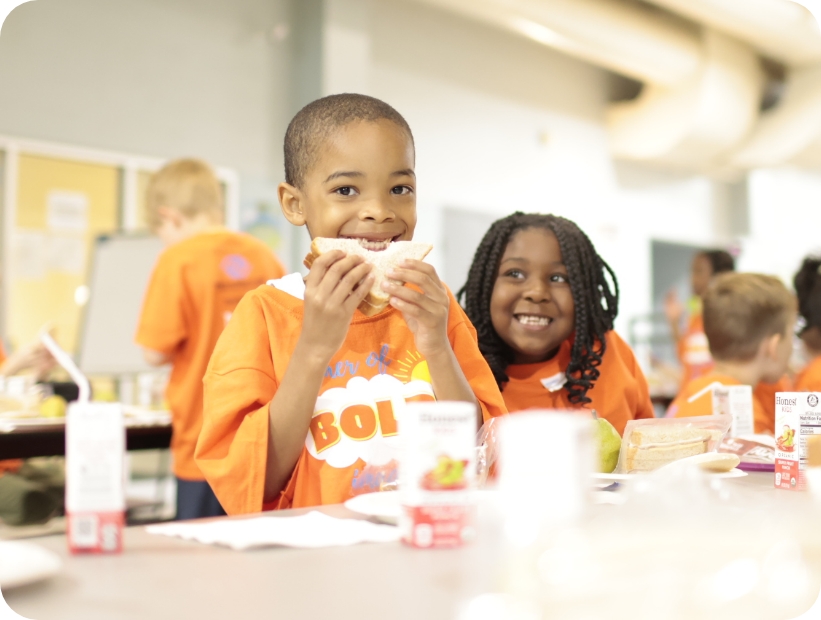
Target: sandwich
(382, 260)
(653, 446)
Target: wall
(501, 123)
(155, 77)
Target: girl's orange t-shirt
(619, 395)
(375, 372)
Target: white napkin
(313, 530)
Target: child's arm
(336, 285)
(426, 314)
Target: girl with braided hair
(543, 304)
(807, 283)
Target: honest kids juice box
(797, 417)
(437, 473)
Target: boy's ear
(770, 345)
(291, 201)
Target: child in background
(807, 283)
(748, 320)
(543, 305)
(693, 350)
(301, 389)
(196, 284)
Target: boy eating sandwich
(303, 390)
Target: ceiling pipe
(632, 40)
(790, 130)
(698, 122)
(778, 29)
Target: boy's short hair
(314, 123)
(741, 310)
(189, 186)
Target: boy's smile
(361, 186)
(531, 306)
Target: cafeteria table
(50, 439)
(159, 577)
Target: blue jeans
(196, 500)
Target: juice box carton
(735, 401)
(437, 470)
(797, 418)
(95, 477)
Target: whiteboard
(120, 269)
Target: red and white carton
(797, 417)
(95, 477)
(437, 471)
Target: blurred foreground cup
(546, 458)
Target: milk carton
(797, 417)
(95, 477)
(437, 469)
(735, 401)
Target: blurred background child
(807, 283)
(543, 303)
(195, 286)
(691, 343)
(748, 320)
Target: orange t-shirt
(694, 350)
(619, 395)
(195, 287)
(809, 379)
(703, 405)
(376, 370)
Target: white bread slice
(648, 459)
(376, 300)
(668, 434)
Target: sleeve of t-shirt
(462, 336)
(240, 382)
(162, 325)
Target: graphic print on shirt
(359, 421)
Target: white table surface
(158, 577)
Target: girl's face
(700, 274)
(531, 306)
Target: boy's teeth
(374, 245)
(527, 319)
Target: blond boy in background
(749, 321)
(196, 284)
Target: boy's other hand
(425, 312)
(673, 308)
(336, 285)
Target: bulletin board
(62, 206)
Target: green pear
(609, 442)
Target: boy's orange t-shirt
(375, 372)
(703, 405)
(619, 395)
(809, 379)
(193, 291)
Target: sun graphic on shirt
(413, 368)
